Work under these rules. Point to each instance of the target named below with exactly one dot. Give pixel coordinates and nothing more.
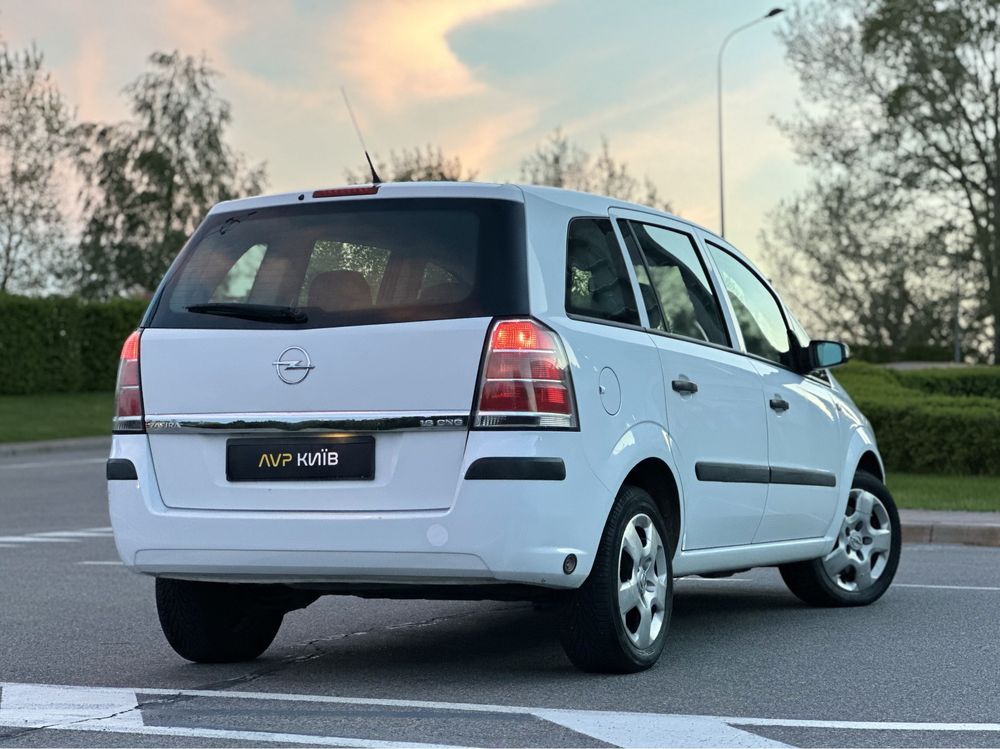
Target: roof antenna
(375, 178)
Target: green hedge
(925, 430)
(881, 354)
(62, 344)
(927, 421)
(983, 382)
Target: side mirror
(824, 354)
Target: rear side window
(642, 276)
(687, 304)
(238, 281)
(354, 262)
(343, 275)
(597, 282)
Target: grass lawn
(61, 415)
(54, 416)
(917, 491)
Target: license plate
(301, 459)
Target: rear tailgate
(399, 368)
(202, 387)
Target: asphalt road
(745, 665)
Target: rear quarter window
(597, 281)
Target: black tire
(592, 631)
(217, 622)
(811, 583)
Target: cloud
(95, 100)
(484, 143)
(195, 26)
(447, 73)
(398, 51)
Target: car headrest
(340, 290)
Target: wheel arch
(655, 477)
(862, 455)
(644, 455)
(870, 463)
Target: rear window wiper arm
(259, 312)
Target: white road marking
(101, 562)
(946, 587)
(33, 540)
(113, 710)
(371, 701)
(626, 729)
(864, 725)
(54, 464)
(894, 585)
(263, 736)
(510, 709)
(43, 706)
(54, 537)
(71, 534)
(62, 708)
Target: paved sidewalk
(947, 527)
(919, 526)
(49, 446)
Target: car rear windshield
(354, 262)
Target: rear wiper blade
(260, 312)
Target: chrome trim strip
(318, 421)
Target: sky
(486, 80)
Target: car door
(715, 412)
(804, 452)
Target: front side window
(687, 305)
(757, 312)
(597, 282)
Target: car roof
(583, 201)
(385, 189)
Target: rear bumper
(496, 531)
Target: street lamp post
(722, 190)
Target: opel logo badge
(855, 541)
(293, 365)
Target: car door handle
(779, 404)
(684, 386)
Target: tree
(860, 274)
(36, 127)
(150, 181)
(904, 95)
(415, 165)
(558, 162)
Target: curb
(951, 533)
(47, 446)
(915, 531)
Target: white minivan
(437, 390)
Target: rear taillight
(128, 392)
(526, 380)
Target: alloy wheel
(642, 581)
(861, 552)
